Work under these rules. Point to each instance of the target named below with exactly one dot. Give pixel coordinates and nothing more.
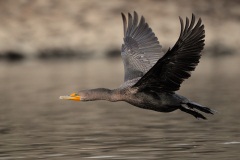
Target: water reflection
(35, 124)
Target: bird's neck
(100, 94)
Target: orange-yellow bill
(73, 96)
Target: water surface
(35, 124)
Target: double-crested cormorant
(151, 77)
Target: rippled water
(34, 124)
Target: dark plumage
(151, 77)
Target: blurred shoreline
(214, 51)
(85, 29)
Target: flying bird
(151, 77)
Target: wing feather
(175, 66)
(141, 48)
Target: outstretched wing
(141, 48)
(175, 66)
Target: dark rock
(220, 50)
(12, 56)
(113, 53)
(58, 53)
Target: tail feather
(191, 108)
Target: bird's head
(73, 96)
(89, 95)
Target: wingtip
(135, 14)
(124, 23)
(200, 19)
(129, 16)
(193, 15)
(142, 20)
(180, 19)
(181, 23)
(123, 15)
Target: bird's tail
(192, 107)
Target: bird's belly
(158, 107)
(155, 104)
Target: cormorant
(151, 77)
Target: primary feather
(141, 48)
(175, 66)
